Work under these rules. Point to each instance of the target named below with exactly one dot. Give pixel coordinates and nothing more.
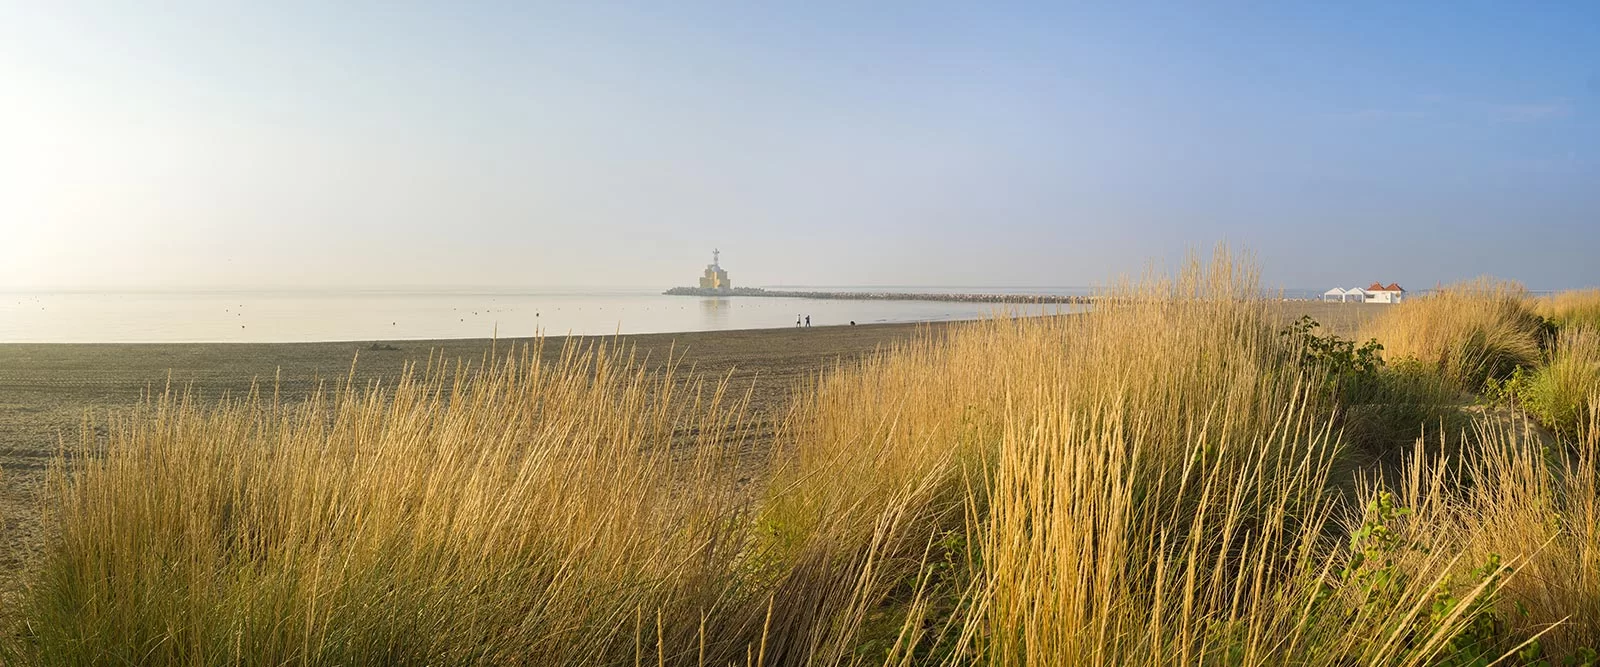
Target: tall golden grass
(1571, 308)
(1535, 508)
(521, 512)
(1469, 332)
(1148, 483)
(1183, 367)
(1145, 484)
(1083, 570)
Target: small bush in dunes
(1571, 308)
(1380, 406)
(1470, 332)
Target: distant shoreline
(485, 340)
(881, 296)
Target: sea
(282, 316)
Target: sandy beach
(47, 390)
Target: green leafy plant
(1516, 387)
(1373, 549)
(1478, 631)
(1338, 358)
(1485, 630)
(1382, 406)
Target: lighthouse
(715, 277)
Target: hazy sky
(590, 143)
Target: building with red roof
(1377, 293)
(1381, 293)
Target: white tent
(1356, 295)
(1335, 294)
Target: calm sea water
(283, 316)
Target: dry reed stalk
(1539, 510)
(1571, 308)
(1147, 483)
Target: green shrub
(1334, 355)
(1383, 407)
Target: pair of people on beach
(807, 319)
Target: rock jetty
(881, 296)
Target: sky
(324, 145)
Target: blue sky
(510, 144)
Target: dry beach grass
(1170, 480)
(46, 391)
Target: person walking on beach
(797, 320)
(808, 320)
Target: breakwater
(882, 296)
